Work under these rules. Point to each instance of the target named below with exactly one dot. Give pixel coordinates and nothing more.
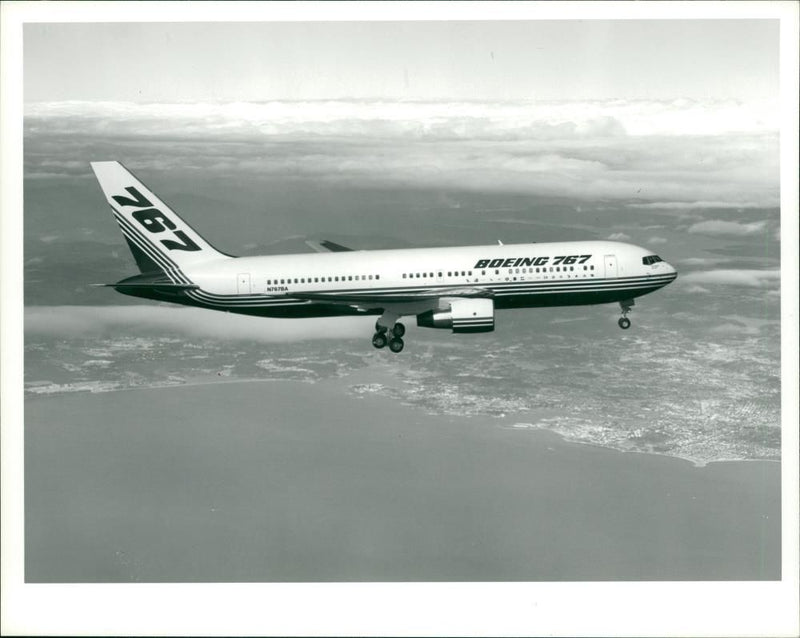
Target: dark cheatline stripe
(518, 291)
(233, 300)
(170, 268)
(499, 289)
(277, 303)
(167, 271)
(576, 290)
(145, 243)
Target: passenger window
(440, 274)
(350, 278)
(377, 276)
(370, 276)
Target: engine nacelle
(465, 315)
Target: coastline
(299, 482)
(366, 377)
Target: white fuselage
(515, 275)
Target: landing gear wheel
(398, 330)
(396, 345)
(379, 340)
(624, 323)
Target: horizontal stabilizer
(151, 286)
(325, 246)
(150, 281)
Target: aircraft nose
(671, 270)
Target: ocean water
(274, 481)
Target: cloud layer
(722, 227)
(735, 277)
(674, 153)
(105, 320)
(435, 120)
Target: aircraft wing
(325, 246)
(381, 299)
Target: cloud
(696, 205)
(733, 277)
(733, 329)
(546, 119)
(618, 237)
(703, 261)
(720, 227)
(613, 150)
(656, 240)
(697, 290)
(75, 321)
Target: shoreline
(365, 372)
(284, 482)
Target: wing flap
(377, 298)
(326, 246)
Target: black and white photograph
(502, 298)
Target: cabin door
(611, 266)
(243, 283)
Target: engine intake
(465, 315)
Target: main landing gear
(393, 338)
(626, 306)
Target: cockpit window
(651, 259)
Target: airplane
(453, 288)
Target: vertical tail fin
(161, 242)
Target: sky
(497, 61)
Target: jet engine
(464, 315)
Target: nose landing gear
(626, 307)
(393, 337)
